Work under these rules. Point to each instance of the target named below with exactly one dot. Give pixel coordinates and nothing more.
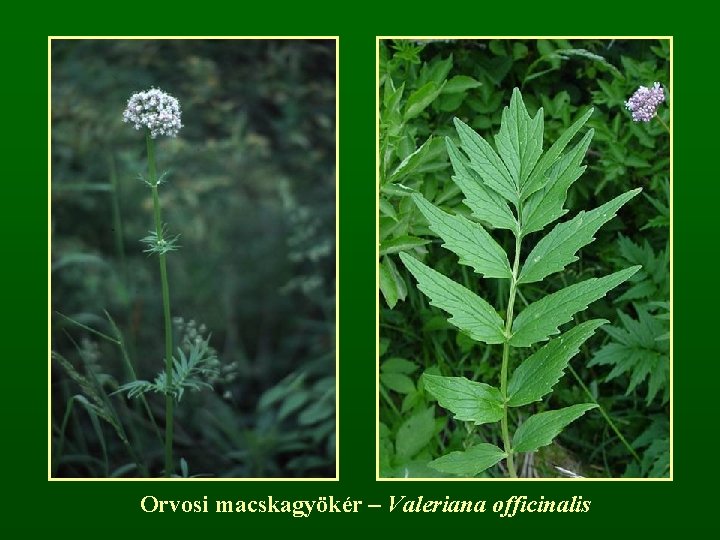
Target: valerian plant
(158, 114)
(522, 189)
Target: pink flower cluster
(644, 102)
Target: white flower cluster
(155, 110)
(644, 102)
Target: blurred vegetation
(251, 190)
(625, 368)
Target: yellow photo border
(377, 273)
(337, 258)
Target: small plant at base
(534, 184)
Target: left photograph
(192, 265)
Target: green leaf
(656, 455)
(540, 429)
(541, 319)
(636, 350)
(583, 53)
(320, 410)
(470, 313)
(460, 83)
(401, 243)
(554, 57)
(538, 178)
(557, 249)
(293, 403)
(415, 433)
(519, 51)
(430, 151)
(387, 209)
(546, 205)
(537, 375)
(388, 286)
(496, 69)
(487, 163)
(485, 203)
(450, 102)
(398, 365)
(421, 98)
(436, 70)
(520, 139)
(469, 240)
(391, 95)
(396, 190)
(392, 284)
(80, 259)
(471, 462)
(402, 384)
(469, 401)
(653, 281)
(384, 345)
(409, 401)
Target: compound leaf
(469, 240)
(485, 203)
(470, 313)
(469, 401)
(538, 177)
(636, 350)
(541, 319)
(487, 163)
(537, 375)
(546, 204)
(470, 462)
(520, 139)
(540, 429)
(557, 249)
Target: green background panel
(99, 508)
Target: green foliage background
(251, 190)
(625, 368)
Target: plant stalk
(506, 358)
(153, 179)
(663, 123)
(605, 415)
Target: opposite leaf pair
(521, 189)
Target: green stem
(152, 178)
(506, 358)
(389, 401)
(604, 414)
(663, 123)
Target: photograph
(524, 227)
(192, 207)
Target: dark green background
(100, 507)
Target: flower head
(644, 102)
(155, 110)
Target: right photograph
(524, 241)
